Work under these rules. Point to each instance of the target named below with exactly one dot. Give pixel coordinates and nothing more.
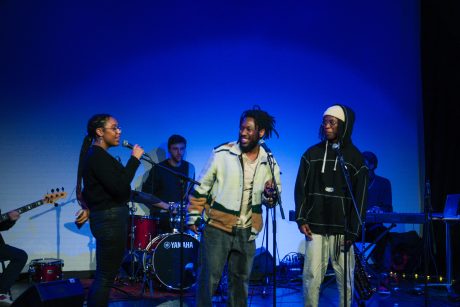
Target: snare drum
(142, 229)
(163, 260)
(45, 269)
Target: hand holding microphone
(137, 152)
(270, 196)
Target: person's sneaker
(5, 300)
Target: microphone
(131, 146)
(127, 144)
(336, 147)
(265, 147)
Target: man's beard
(176, 160)
(249, 147)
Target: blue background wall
(164, 67)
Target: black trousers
(18, 259)
(110, 228)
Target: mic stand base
(266, 285)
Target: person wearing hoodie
(322, 200)
(235, 183)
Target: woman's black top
(107, 183)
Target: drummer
(166, 185)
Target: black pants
(18, 259)
(110, 229)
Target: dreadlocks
(262, 119)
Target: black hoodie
(321, 193)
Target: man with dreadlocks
(322, 200)
(234, 184)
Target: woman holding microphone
(106, 191)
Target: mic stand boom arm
(148, 159)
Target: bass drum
(162, 260)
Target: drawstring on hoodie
(324, 159)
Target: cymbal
(144, 198)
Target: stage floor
(288, 294)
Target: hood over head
(347, 117)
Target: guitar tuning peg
(52, 190)
(57, 190)
(62, 188)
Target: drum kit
(155, 256)
(45, 269)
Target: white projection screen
(191, 68)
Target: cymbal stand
(146, 278)
(132, 251)
(184, 181)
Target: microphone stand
(426, 237)
(177, 174)
(346, 174)
(183, 179)
(271, 163)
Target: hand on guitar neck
(14, 215)
(51, 198)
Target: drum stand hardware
(155, 257)
(142, 229)
(185, 181)
(147, 280)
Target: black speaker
(68, 293)
(262, 265)
(406, 251)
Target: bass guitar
(47, 199)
